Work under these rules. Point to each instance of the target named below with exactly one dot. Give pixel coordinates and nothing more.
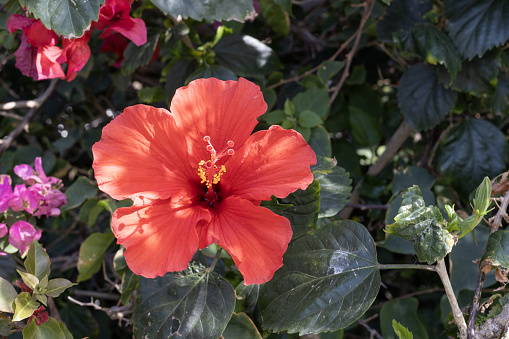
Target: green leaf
(405, 312)
(324, 165)
(65, 17)
(206, 10)
(50, 329)
(309, 119)
(241, 326)
(78, 192)
(467, 155)
(285, 4)
(129, 284)
(402, 15)
(29, 279)
(401, 331)
(177, 76)
(432, 45)
(90, 211)
(91, 254)
(275, 117)
(424, 102)
(136, 56)
(335, 188)
(320, 141)
(422, 226)
(476, 26)
(24, 306)
(304, 131)
(5, 328)
(37, 261)
(246, 55)
(328, 69)
(315, 100)
(365, 129)
(499, 101)
(183, 305)
(497, 249)
(57, 286)
(214, 71)
(328, 280)
(276, 17)
(80, 320)
(477, 76)
(149, 95)
(7, 296)
(247, 298)
(412, 176)
(304, 208)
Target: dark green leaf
(247, 297)
(323, 165)
(129, 284)
(183, 305)
(78, 192)
(320, 141)
(304, 210)
(285, 4)
(65, 17)
(328, 69)
(309, 119)
(241, 326)
(405, 312)
(215, 71)
(48, 330)
(90, 211)
(80, 321)
(7, 296)
(328, 280)
(499, 101)
(424, 102)
(357, 76)
(136, 56)
(476, 77)
(468, 155)
(498, 248)
(5, 328)
(304, 131)
(246, 55)
(150, 95)
(37, 261)
(206, 10)
(476, 26)
(315, 100)
(276, 17)
(365, 129)
(412, 176)
(401, 14)
(432, 45)
(177, 76)
(334, 191)
(91, 254)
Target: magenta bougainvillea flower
(5, 192)
(76, 54)
(114, 17)
(197, 176)
(23, 198)
(3, 230)
(22, 234)
(116, 44)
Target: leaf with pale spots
(328, 280)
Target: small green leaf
(401, 331)
(275, 117)
(335, 188)
(405, 312)
(304, 131)
(206, 10)
(7, 296)
(309, 119)
(37, 261)
(328, 69)
(315, 100)
(78, 192)
(129, 285)
(402, 15)
(150, 95)
(497, 249)
(241, 326)
(214, 71)
(50, 329)
(276, 17)
(136, 56)
(320, 141)
(91, 254)
(57, 286)
(289, 108)
(482, 196)
(29, 279)
(194, 303)
(24, 306)
(328, 280)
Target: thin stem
(406, 266)
(475, 304)
(216, 258)
(456, 311)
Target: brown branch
(492, 328)
(368, 8)
(475, 304)
(6, 142)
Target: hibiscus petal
(223, 110)
(143, 153)
(255, 237)
(273, 162)
(158, 238)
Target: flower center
(208, 170)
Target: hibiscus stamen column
(209, 172)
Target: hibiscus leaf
(91, 254)
(304, 210)
(319, 140)
(323, 165)
(65, 17)
(209, 10)
(246, 55)
(214, 71)
(401, 15)
(499, 101)
(405, 311)
(476, 26)
(241, 326)
(328, 280)
(466, 155)
(78, 192)
(497, 249)
(424, 102)
(190, 304)
(136, 56)
(335, 189)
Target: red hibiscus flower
(115, 15)
(197, 176)
(37, 54)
